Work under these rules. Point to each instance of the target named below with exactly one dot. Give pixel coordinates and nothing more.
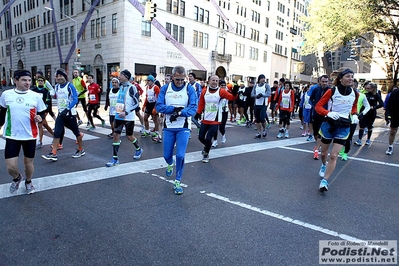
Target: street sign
(77, 63)
(293, 31)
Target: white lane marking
(285, 218)
(100, 173)
(349, 157)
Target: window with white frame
(253, 53)
(195, 38)
(240, 49)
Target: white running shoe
(215, 144)
(224, 138)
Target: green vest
(360, 101)
(77, 83)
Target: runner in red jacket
(94, 92)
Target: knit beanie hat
(61, 72)
(126, 73)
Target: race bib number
(286, 103)
(120, 107)
(62, 103)
(92, 97)
(112, 102)
(212, 107)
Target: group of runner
(330, 111)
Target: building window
(182, 8)
(49, 40)
(175, 7)
(206, 40)
(279, 35)
(201, 15)
(175, 32)
(253, 53)
(72, 35)
(83, 34)
(168, 28)
(103, 26)
(276, 75)
(266, 39)
(53, 38)
(265, 56)
(196, 12)
(32, 43)
(114, 23)
(146, 28)
(200, 39)
(195, 38)
(98, 24)
(206, 17)
(278, 49)
(169, 5)
(240, 49)
(66, 36)
(61, 37)
(181, 35)
(38, 43)
(44, 41)
(93, 28)
(254, 35)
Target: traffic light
(153, 10)
(78, 52)
(147, 11)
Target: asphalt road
(255, 203)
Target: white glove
(355, 119)
(333, 115)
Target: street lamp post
(76, 27)
(356, 63)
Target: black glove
(360, 116)
(105, 108)
(173, 117)
(64, 113)
(260, 95)
(197, 116)
(178, 109)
